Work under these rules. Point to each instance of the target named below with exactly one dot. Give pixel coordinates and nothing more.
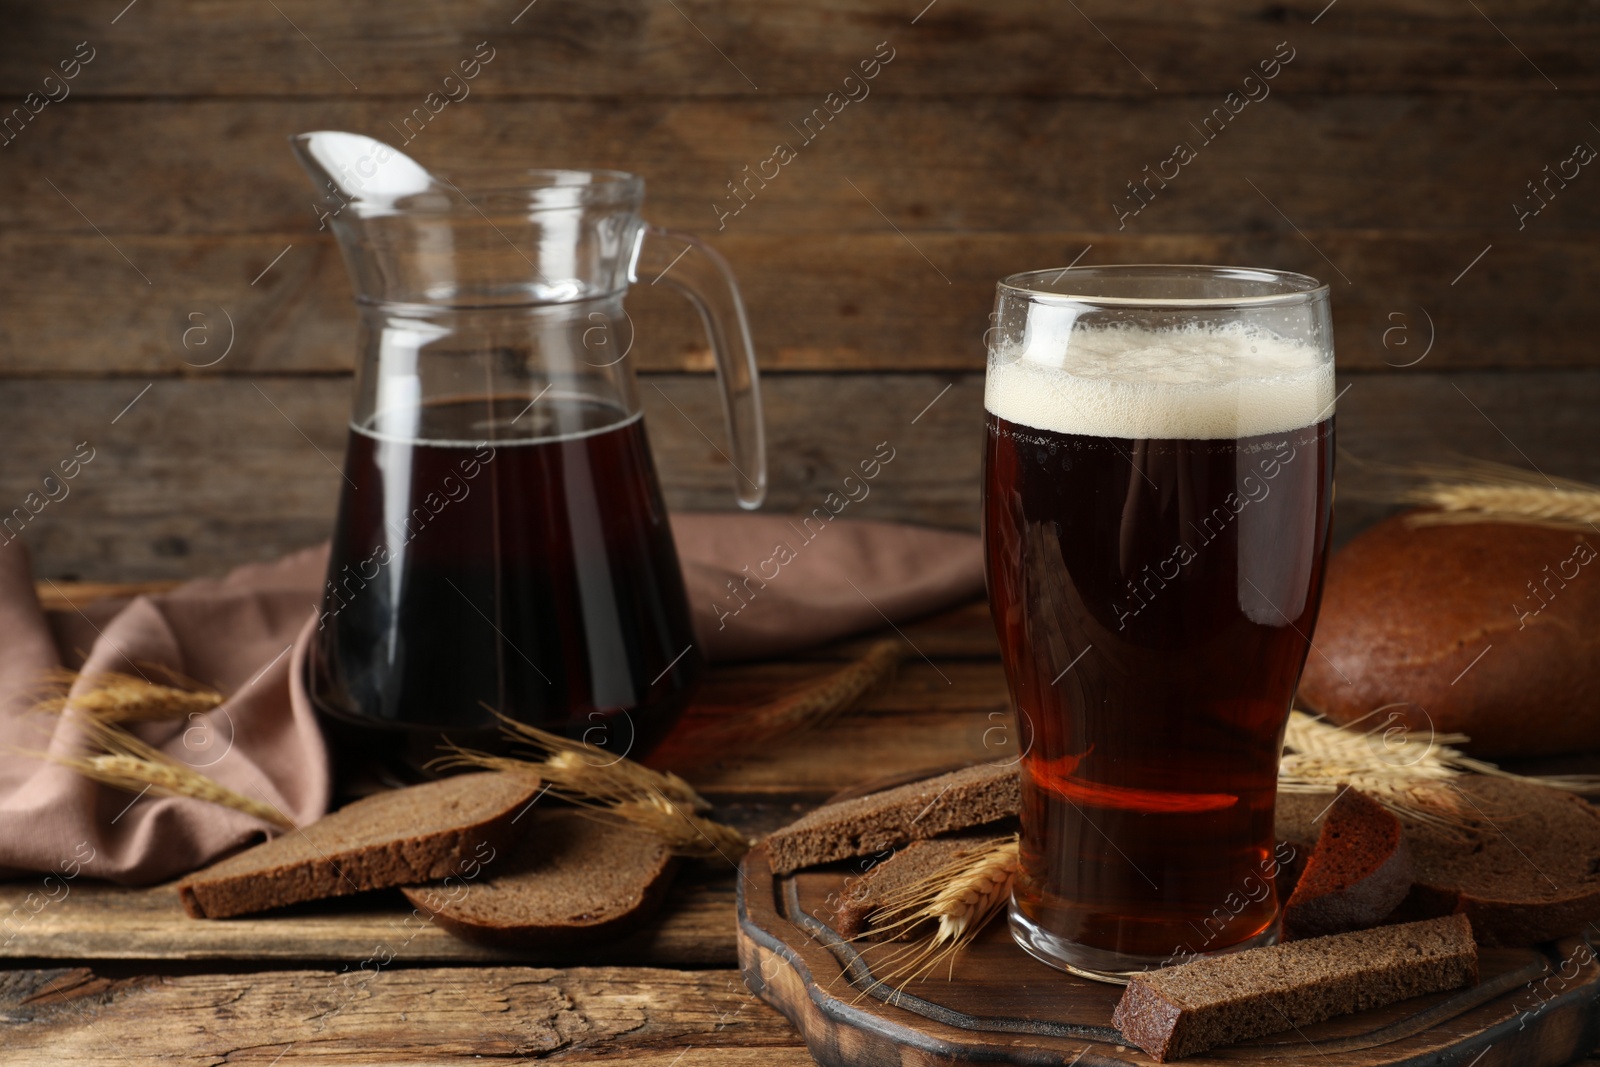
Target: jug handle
(699, 272)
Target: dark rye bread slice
(1530, 871)
(969, 797)
(1179, 1011)
(1359, 871)
(570, 880)
(1297, 819)
(1296, 826)
(918, 861)
(403, 836)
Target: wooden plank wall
(1387, 154)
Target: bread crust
(1359, 871)
(281, 871)
(1551, 839)
(1408, 612)
(1217, 1001)
(547, 869)
(973, 796)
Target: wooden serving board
(1531, 1008)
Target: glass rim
(1281, 288)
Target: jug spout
(494, 238)
(354, 171)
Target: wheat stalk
(958, 900)
(1527, 505)
(1475, 491)
(117, 697)
(597, 794)
(132, 765)
(685, 833)
(592, 772)
(809, 707)
(1411, 775)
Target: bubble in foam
(1203, 382)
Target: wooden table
(119, 976)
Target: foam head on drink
(1155, 524)
(1197, 383)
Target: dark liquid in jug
(494, 553)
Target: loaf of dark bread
(969, 797)
(1488, 630)
(1217, 1001)
(570, 880)
(1359, 871)
(399, 837)
(1528, 871)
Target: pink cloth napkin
(758, 586)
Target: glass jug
(502, 541)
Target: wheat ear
(809, 707)
(117, 697)
(642, 807)
(958, 900)
(129, 764)
(1411, 775)
(594, 772)
(1474, 491)
(685, 833)
(1525, 505)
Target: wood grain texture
(94, 921)
(391, 1015)
(935, 714)
(847, 301)
(202, 474)
(194, 199)
(996, 141)
(1394, 163)
(632, 46)
(996, 1005)
(230, 469)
